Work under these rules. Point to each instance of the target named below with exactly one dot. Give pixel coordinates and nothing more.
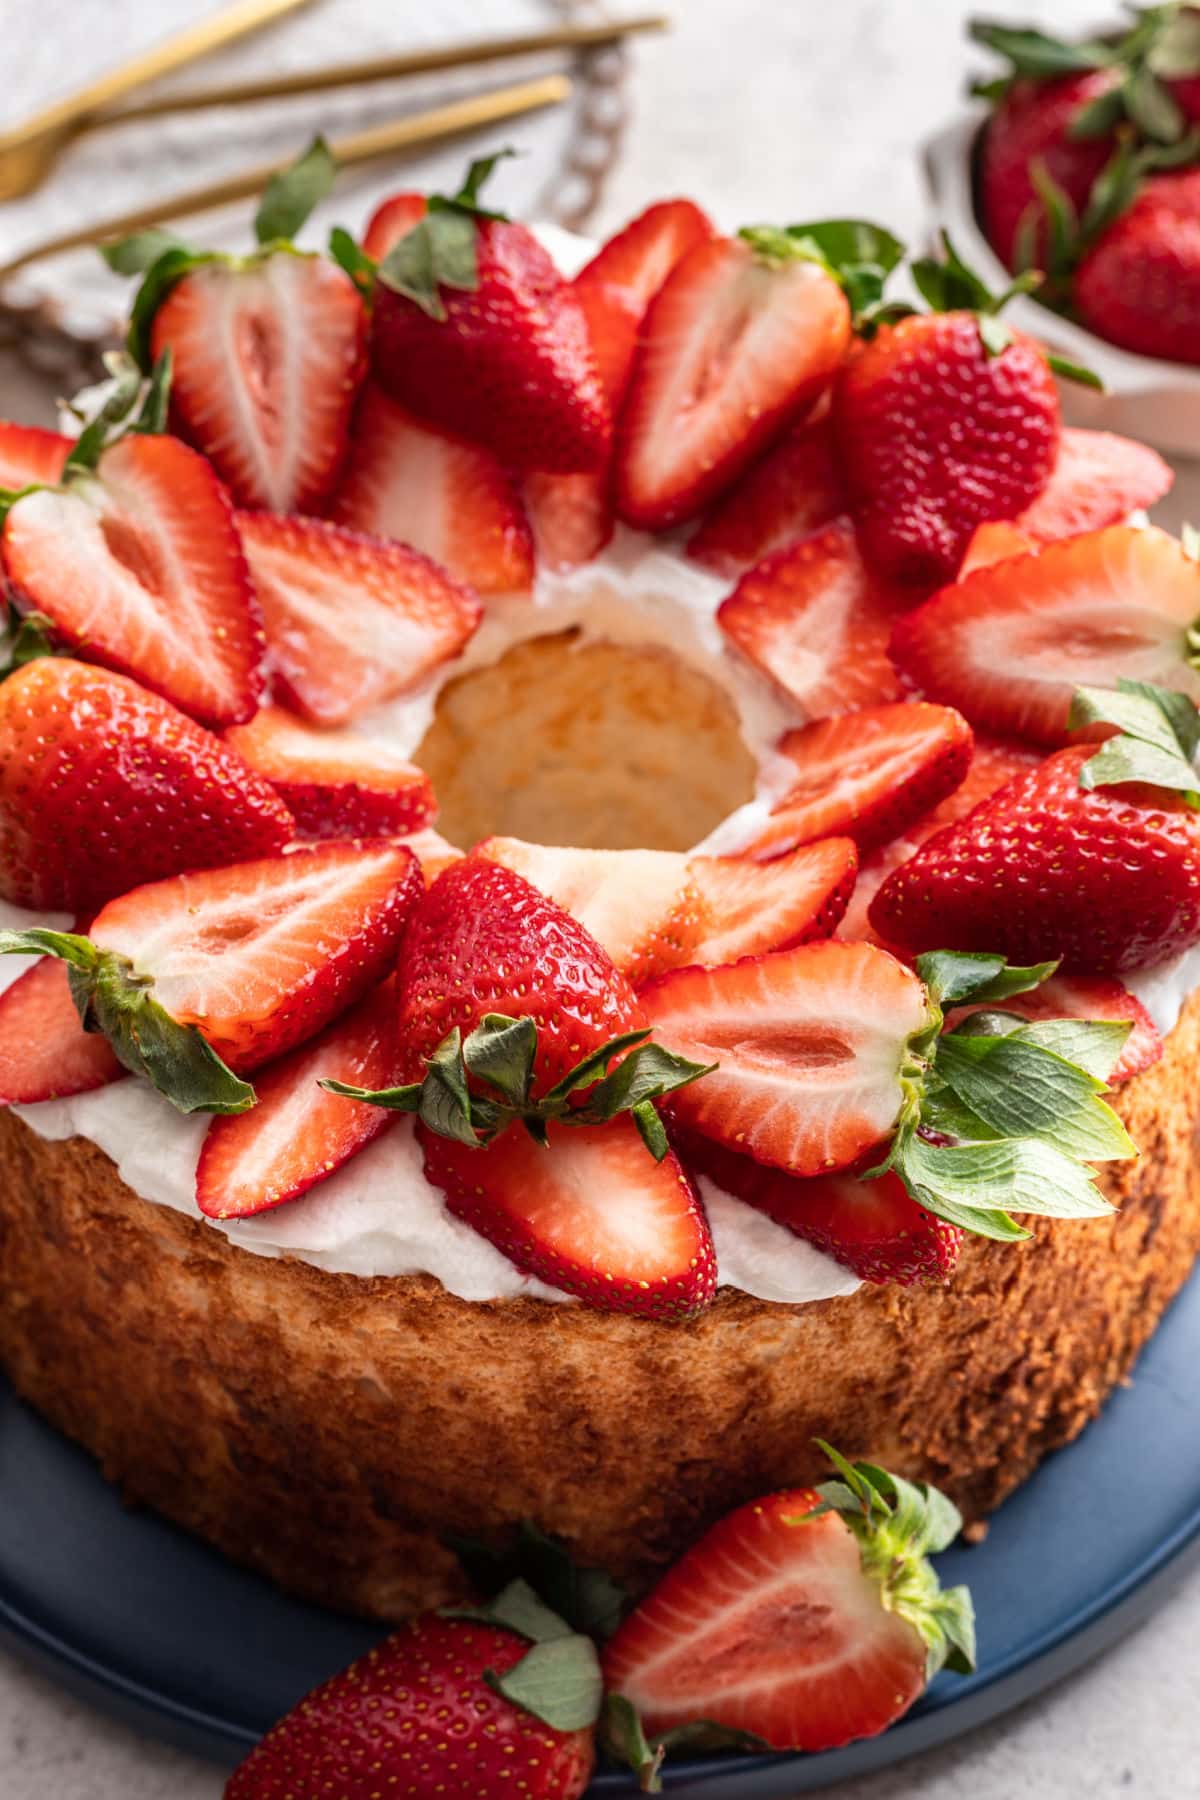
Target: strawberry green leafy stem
(558, 1679)
(859, 255)
(439, 251)
(1157, 741)
(112, 998)
(501, 1053)
(1002, 1115)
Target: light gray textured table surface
(761, 109)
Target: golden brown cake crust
(328, 1429)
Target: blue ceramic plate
(151, 1625)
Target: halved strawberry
(29, 454)
(1098, 480)
(432, 851)
(438, 493)
(867, 775)
(874, 1227)
(815, 621)
(992, 542)
(266, 358)
(591, 1213)
(350, 620)
(138, 566)
(262, 955)
(1009, 645)
(810, 1043)
(793, 490)
(748, 907)
(1089, 997)
(734, 346)
(334, 783)
(392, 219)
(45, 1054)
(298, 1133)
(571, 516)
(807, 1618)
(617, 286)
(104, 785)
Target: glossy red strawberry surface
(45, 1054)
(1139, 284)
(335, 783)
(1031, 127)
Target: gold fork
(28, 151)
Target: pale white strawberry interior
(620, 895)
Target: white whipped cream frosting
(379, 1216)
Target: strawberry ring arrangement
(862, 1113)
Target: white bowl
(1144, 397)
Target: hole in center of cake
(604, 746)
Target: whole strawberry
(420, 1716)
(475, 330)
(944, 419)
(104, 785)
(268, 349)
(1139, 284)
(1107, 878)
(1030, 129)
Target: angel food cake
(786, 1027)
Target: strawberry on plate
(816, 622)
(791, 491)
(334, 783)
(45, 1054)
(616, 287)
(438, 493)
(806, 1618)
(201, 978)
(1009, 644)
(571, 517)
(104, 785)
(866, 775)
(742, 338)
(136, 563)
(299, 1133)
(475, 330)
(510, 1015)
(809, 1044)
(366, 1732)
(875, 1228)
(351, 621)
(944, 419)
(1091, 997)
(655, 909)
(1098, 480)
(29, 454)
(392, 219)
(1105, 878)
(267, 350)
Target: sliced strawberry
(640, 905)
(104, 785)
(432, 852)
(1089, 997)
(1009, 645)
(266, 358)
(815, 621)
(867, 775)
(29, 454)
(617, 286)
(350, 620)
(592, 1214)
(993, 763)
(1098, 480)
(45, 1054)
(733, 347)
(747, 907)
(437, 493)
(874, 1227)
(993, 542)
(297, 1133)
(793, 490)
(770, 1625)
(392, 219)
(571, 516)
(262, 955)
(335, 783)
(810, 1043)
(139, 567)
